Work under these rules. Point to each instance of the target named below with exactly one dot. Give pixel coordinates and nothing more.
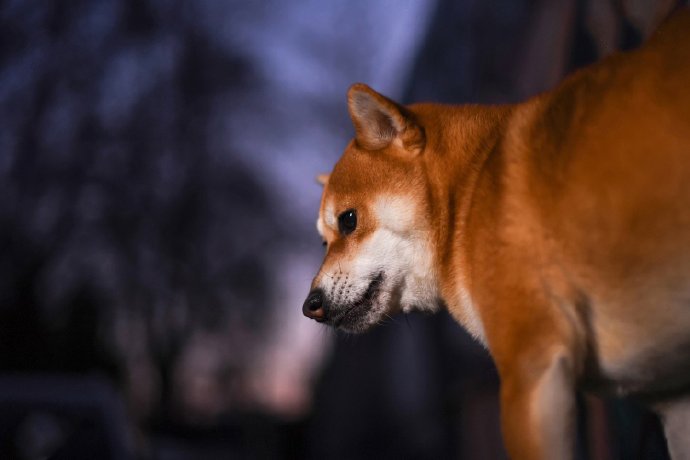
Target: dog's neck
(453, 189)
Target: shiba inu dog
(556, 231)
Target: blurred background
(157, 208)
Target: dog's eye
(324, 244)
(347, 222)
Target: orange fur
(558, 231)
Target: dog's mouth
(352, 315)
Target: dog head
(374, 221)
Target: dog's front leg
(535, 355)
(538, 409)
(675, 415)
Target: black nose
(313, 307)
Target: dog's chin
(364, 313)
(356, 325)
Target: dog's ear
(322, 179)
(379, 121)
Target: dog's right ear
(323, 179)
(379, 121)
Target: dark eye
(347, 222)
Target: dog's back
(607, 185)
